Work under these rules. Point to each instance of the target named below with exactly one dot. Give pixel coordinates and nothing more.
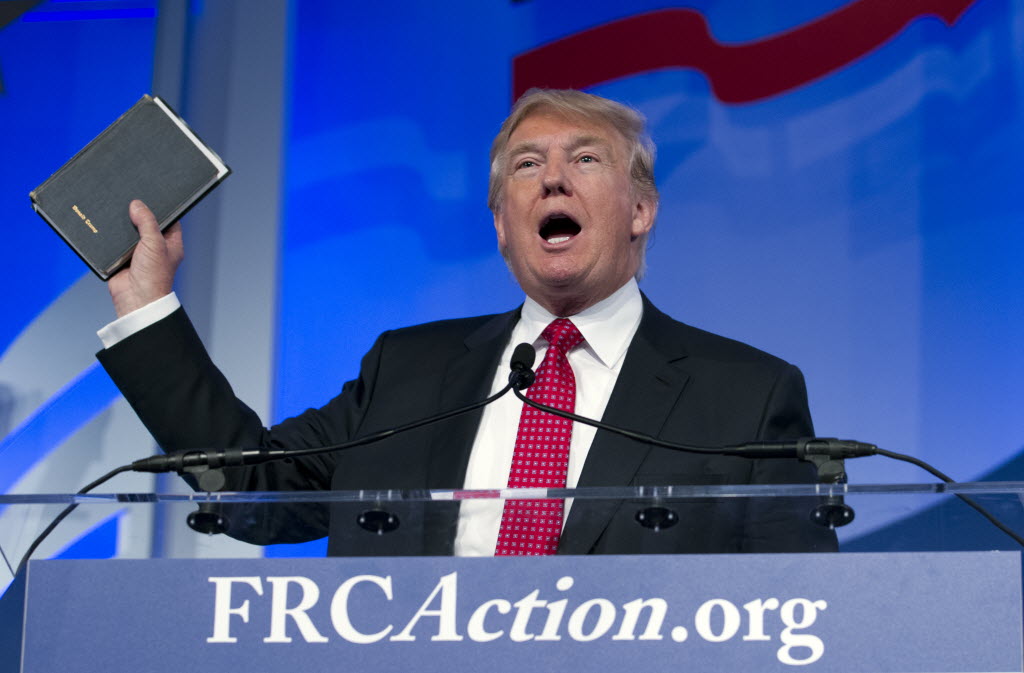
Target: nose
(555, 180)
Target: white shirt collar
(608, 326)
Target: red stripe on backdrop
(740, 73)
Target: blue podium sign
(815, 612)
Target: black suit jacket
(677, 383)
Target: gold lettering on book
(85, 219)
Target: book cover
(148, 153)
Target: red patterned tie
(541, 458)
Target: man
(573, 196)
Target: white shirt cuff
(139, 319)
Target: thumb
(144, 220)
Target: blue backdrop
(838, 181)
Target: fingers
(175, 247)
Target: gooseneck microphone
(806, 448)
(521, 376)
(825, 453)
(205, 464)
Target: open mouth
(558, 228)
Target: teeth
(558, 239)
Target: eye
(526, 163)
(588, 159)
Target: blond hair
(629, 123)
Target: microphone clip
(521, 379)
(832, 510)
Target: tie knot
(562, 335)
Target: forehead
(542, 129)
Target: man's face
(569, 221)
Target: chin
(561, 279)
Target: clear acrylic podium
(888, 517)
(921, 582)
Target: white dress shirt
(608, 328)
(129, 324)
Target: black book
(149, 153)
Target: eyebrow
(574, 144)
(582, 141)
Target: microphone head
(522, 375)
(523, 357)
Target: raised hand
(150, 275)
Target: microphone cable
(834, 448)
(522, 374)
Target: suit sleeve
(779, 524)
(186, 403)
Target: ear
(643, 217)
(499, 228)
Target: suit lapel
(647, 390)
(467, 379)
